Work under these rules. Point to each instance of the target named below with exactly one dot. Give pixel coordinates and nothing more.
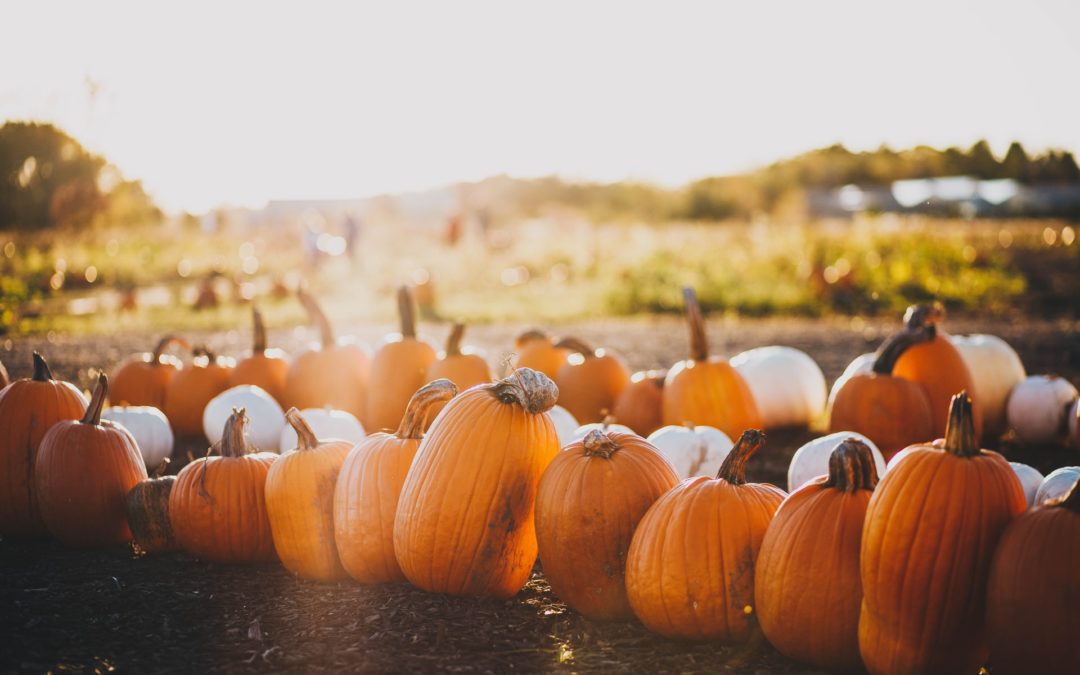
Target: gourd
(640, 405)
(398, 370)
(325, 423)
(692, 450)
(147, 508)
(786, 384)
(265, 368)
(590, 381)
(538, 351)
(192, 388)
(1038, 409)
(143, 378)
(812, 459)
(995, 368)
(265, 418)
(1056, 484)
(150, 429)
(1030, 479)
(861, 364)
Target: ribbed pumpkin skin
(268, 371)
(335, 376)
(640, 405)
(189, 392)
(541, 354)
(28, 409)
(397, 371)
(589, 388)
(892, 412)
(464, 370)
(940, 370)
(147, 506)
(143, 378)
(709, 393)
(587, 508)
(464, 522)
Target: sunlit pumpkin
(1030, 479)
(398, 370)
(640, 405)
(1039, 409)
(996, 368)
(590, 381)
(143, 378)
(537, 350)
(786, 383)
(192, 388)
(692, 450)
(265, 368)
(147, 507)
(464, 367)
(266, 419)
(150, 429)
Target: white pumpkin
(788, 386)
(1057, 483)
(565, 424)
(1030, 478)
(327, 423)
(150, 429)
(265, 416)
(812, 459)
(995, 368)
(1037, 407)
(863, 363)
(693, 451)
(582, 431)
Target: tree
(1016, 164)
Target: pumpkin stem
(532, 390)
(608, 420)
(258, 344)
(317, 316)
(166, 342)
(233, 443)
(407, 311)
(851, 467)
(889, 352)
(598, 444)
(453, 341)
(305, 437)
(733, 470)
(576, 345)
(1071, 500)
(42, 372)
(162, 468)
(960, 437)
(924, 317)
(97, 401)
(418, 411)
(699, 341)
(530, 335)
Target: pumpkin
(464, 368)
(812, 459)
(369, 485)
(607, 425)
(640, 405)
(218, 507)
(464, 522)
(692, 450)
(147, 507)
(995, 368)
(1074, 424)
(1030, 479)
(863, 363)
(590, 381)
(265, 418)
(588, 503)
(150, 429)
(192, 388)
(1038, 409)
(325, 423)
(929, 535)
(1032, 617)
(536, 350)
(690, 568)
(143, 378)
(807, 574)
(891, 411)
(786, 384)
(565, 424)
(398, 370)
(1056, 484)
(936, 365)
(82, 474)
(29, 408)
(334, 373)
(300, 503)
(265, 368)
(704, 390)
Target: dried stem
(890, 350)
(598, 444)
(97, 401)
(699, 341)
(42, 372)
(453, 341)
(924, 318)
(733, 470)
(407, 311)
(166, 342)
(305, 437)
(851, 467)
(576, 345)
(421, 405)
(532, 390)
(317, 316)
(960, 439)
(233, 443)
(258, 344)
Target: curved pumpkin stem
(42, 372)
(317, 316)
(891, 350)
(924, 317)
(97, 401)
(418, 410)
(960, 439)
(1071, 501)
(258, 343)
(407, 311)
(699, 341)
(530, 335)
(733, 470)
(532, 390)
(851, 467)
(166, 342)
(576, 345)
(598, 444)
(305, 437)
(233, 443)
(453, 341)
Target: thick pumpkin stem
(407, 311)
(733, 470)
(598, 444)
(97, 401)
(699, 341)
(890, 350)
(420, 406)
(532, 390)
(233, 443)
(453, 341)
(1071, 501)
(924, 317)
(305, 437)
(960, 439)
(42, 372)
(851, 467)
(258, 344)
(317, 316)
(576, 345)
(166, 342)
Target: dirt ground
(97, 611)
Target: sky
(212, 103)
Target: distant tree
(981, 162)
(1016, 164)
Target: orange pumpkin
(218, 506)
(82, 475)
(807, 576)
(464, 522)
(147, 506)
(192, 388)
(398, 370)
(706, 390)
(690, 569)
(143, 378)
(588, 504)
(265, 368)
(300, 503)
(640, 406)
(28, 409)
(590, 381)
(463, 368)
(369, 485)
(536, 350)
(929, 536)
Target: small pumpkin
(369, 486)
(640, 405)
(690, 568)
(265, 418)
(590, 381)
(82, 474)
(325, 423)
(565, 424)
(1030, 479)
(583, 533)
(265, 368)
(861, 364)
(995, 368)
(812, 459)
(1056, 484)
(143, 378)
(149, 428)
(1038, 409)
(192, 388)
(147, 507)
(398, 369)
(537, 350)
(692, 450)
(464, 367)
(786, 383)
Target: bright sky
(229, 102)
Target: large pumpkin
(369, 486)
(300, 503)
(707, 390)
(147, 506)
(929, 535)
(143, 378)
(28, 409)
(690, 569)
(807, 576)
(192, 388)
(537, 350)
(398, 370)
(640, 405)
(464, 522)
(265, 368)
(218, 507)
(590, 381)
(82, 475)
(588, 504)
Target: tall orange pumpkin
(300, 502)
(192, 388)
(217, 506)
(690, 569)
(398, 370)
(806, 584)
(640, 406)
(464, 522)
(264, 368)
(930, 532)
(143, 378)
(536, 350)
(590, 381)
(369, 486)
(82, 475)
(28, 409)
(706, 390)
(588, 504)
